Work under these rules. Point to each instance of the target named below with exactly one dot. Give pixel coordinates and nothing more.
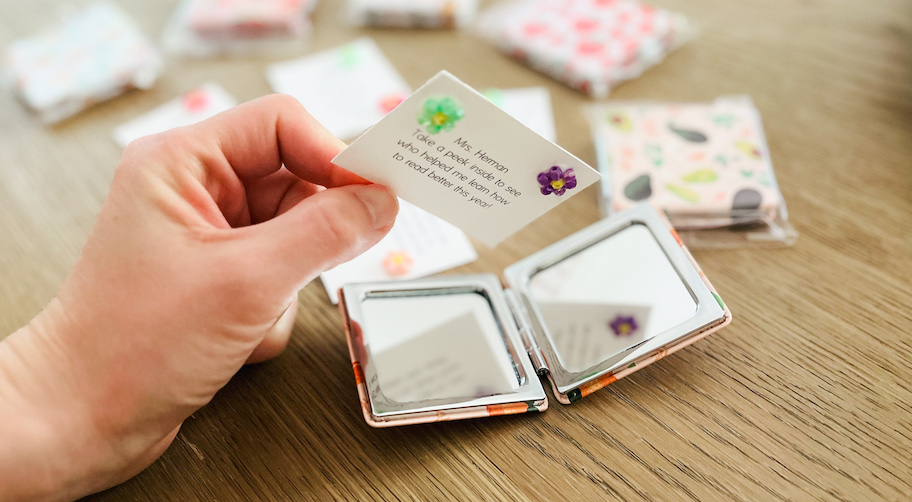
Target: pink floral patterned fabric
(588, 44)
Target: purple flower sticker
(624, 325)
(556, 181)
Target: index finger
(259, 136)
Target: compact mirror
(440, 347)
(609, 297)
(437, 349)
(585, 311)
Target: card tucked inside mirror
(586, 311)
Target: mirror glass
(610, 297)
(443, 346)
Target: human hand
(193, 269)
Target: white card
(450, 151)
(450, 360)
(449, 344)
(420, 244)
(194, 106)
(585, 334)
(529, 105)
(347, 89)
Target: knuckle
(161, 156)
(338, 232)
(176, 140)
(235, 289)
(138, 150)
(137, 147)
(141, 150)
(283, 102)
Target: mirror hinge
(521, 317)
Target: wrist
(37, 430)
(58, 443)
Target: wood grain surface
(806, 396)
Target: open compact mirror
(583, 312)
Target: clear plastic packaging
(411, 13)
(203, 28)
(591, 45)
(91, 56)
(705, 165)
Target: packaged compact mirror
(584, 312)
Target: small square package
(411, 13)
(202, 28)
(705, 165)
(590, 45)
(90, 57)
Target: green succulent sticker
(440, 114)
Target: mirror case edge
(360, 383)
(710, 306)
(353, 292)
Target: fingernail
(381, 204)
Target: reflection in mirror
(437, 347)
(610, 297)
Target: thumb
(322, 231)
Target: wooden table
(805, 396)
